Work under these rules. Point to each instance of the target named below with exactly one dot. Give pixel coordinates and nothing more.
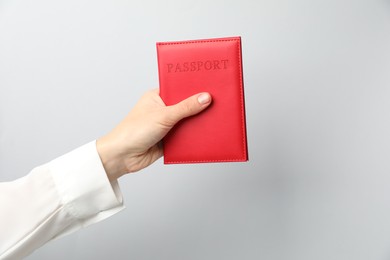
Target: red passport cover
(217, 134)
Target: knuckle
(187, 108)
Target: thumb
(188, 107)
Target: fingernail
(204, 98)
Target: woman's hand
(135, 143)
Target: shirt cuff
(83, 185)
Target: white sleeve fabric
(55, 199)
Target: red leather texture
(217, 134)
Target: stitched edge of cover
(198, 41)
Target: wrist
(110, 158)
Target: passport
(185, 68)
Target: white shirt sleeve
(55, 199)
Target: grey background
(317, 82)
